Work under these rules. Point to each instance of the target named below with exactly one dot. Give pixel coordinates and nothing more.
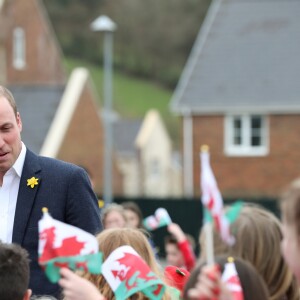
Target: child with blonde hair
(111, 239)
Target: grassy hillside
(133, 97)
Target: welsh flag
(231, 278)
(212, 199)
(160, 218)
(150, 223)
(63, 245)
(127, 273)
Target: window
(246, 135)
(19, 48)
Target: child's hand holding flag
(78, 288)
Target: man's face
(173, 255)
(10, 136)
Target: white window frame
(246, 149)
(19, 48)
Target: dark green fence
(185, 212)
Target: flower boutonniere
(32, 182)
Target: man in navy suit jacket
(61, 187)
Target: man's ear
(19, 121)
(27, 295)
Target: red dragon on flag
(127, 273)
(63, 245)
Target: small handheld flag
(150, 223)
(63, 245)
(231, 278)
(212, 199)
(160, 218)
(127, 273)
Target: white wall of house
(151, 170)
(130, 170)
(155, 150)
(176, 182)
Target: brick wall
(83, 143)
(250, 176)
(43, 55)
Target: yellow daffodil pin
(100, 203)
(32, 182)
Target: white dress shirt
(8, 197)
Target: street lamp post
(107, 26)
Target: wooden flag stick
(209, 243)
(208, 227)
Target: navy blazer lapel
(26, 196)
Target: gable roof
(69, 101)
(245, 58)
(37, 106)
(151, 120)
(125, 133)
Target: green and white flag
(159, 219)
(64, 245)
(127, 273)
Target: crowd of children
(264, 258)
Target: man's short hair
(14, 272)
(4, 92)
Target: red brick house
(240, 94)
(30, 51)
(60, 115)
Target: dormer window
(19, 48)
(246, 135)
